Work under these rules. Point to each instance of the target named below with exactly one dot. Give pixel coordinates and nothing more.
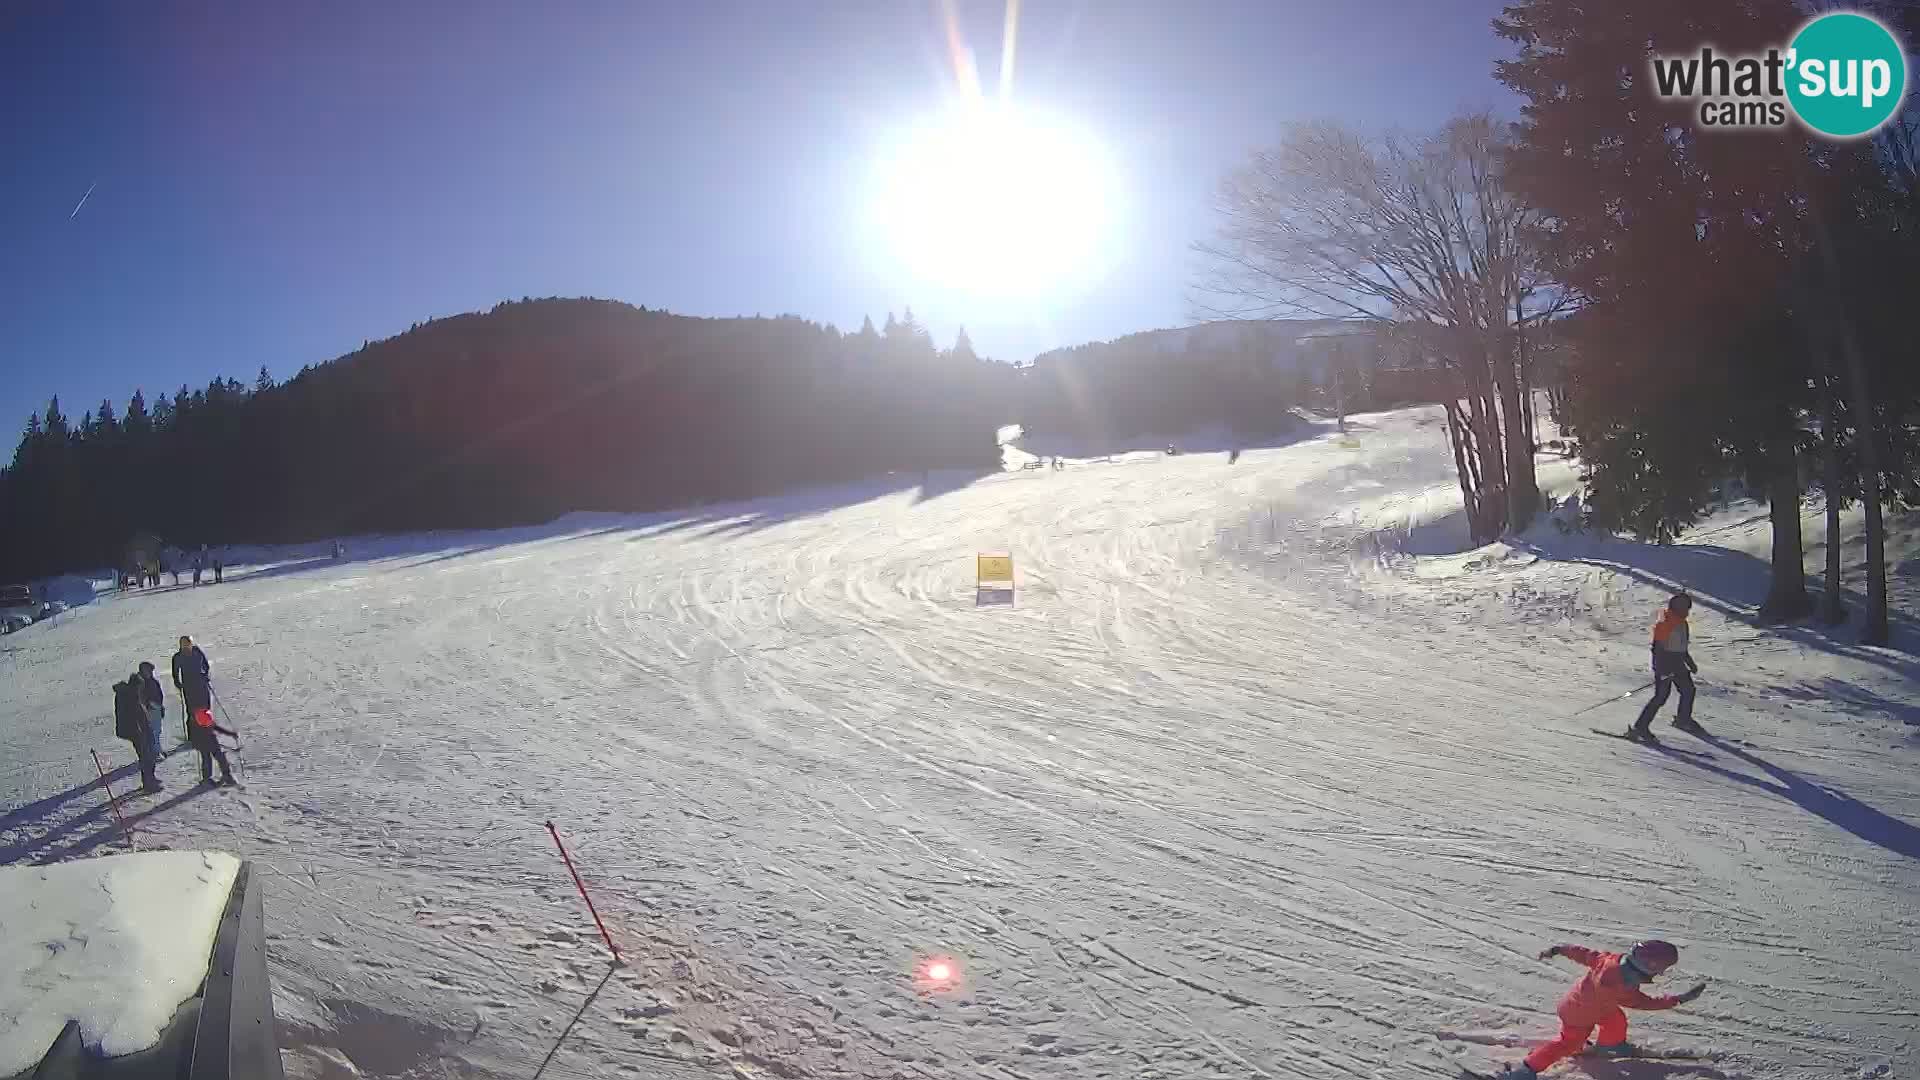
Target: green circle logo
(1847, 74)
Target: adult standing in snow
(1672, 667)
(130, 723)
(154, 700)
(193, 677)
(219, 563)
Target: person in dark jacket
(1673, 669)
(155, 701)
(130, 723)
(192, 676)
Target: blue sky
(275, 183)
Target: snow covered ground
(1253, 780)
(114, 946)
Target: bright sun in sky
(992, 199)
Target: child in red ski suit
(1612, 980)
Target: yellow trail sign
(995, 569)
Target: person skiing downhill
(1612, 981)
(1673, 668)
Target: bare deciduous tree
(1417, 233)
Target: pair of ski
(1655, 743)
(1645, 1053)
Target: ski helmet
(1654, 957)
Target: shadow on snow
(1876, 827)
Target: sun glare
(992, 199)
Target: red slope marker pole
(582, 886)
(112, 800)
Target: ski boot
(1691, 727)
(1519, 1070)
(1634, 734)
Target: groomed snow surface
(113, 945)
(1259, 777)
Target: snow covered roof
(115, 945)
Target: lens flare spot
(938, 974)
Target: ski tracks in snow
(1205, 801)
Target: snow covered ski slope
(1240, 786)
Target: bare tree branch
(1331, 224)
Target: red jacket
(1603, 989)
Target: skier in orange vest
(1673, 668)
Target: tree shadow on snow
(109, 832)
(1876, 827)
(1732, 583)
(720, 519)
(937, 482)
(736, 519)
(296, 566)
(40, 809)
(1080, 446)
(26, 849)
(1829, 691)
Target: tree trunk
(1523, 486)
(1483, 422)
(1493, 467)
(1787, 590)
(1833, 610)
(1458, 438)
(1875, 631)
(1526, 389)
(1339, 391)
(1860, 397)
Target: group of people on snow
(147, 574)
(140, 707)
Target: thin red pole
(582, 886)
(112, 800)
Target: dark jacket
(191, 675)
(129, 715)
(150, 693)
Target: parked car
(17, 608)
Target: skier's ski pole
(238, 758)
(1611, 700)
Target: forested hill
(1245, 374)
(516, 415)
